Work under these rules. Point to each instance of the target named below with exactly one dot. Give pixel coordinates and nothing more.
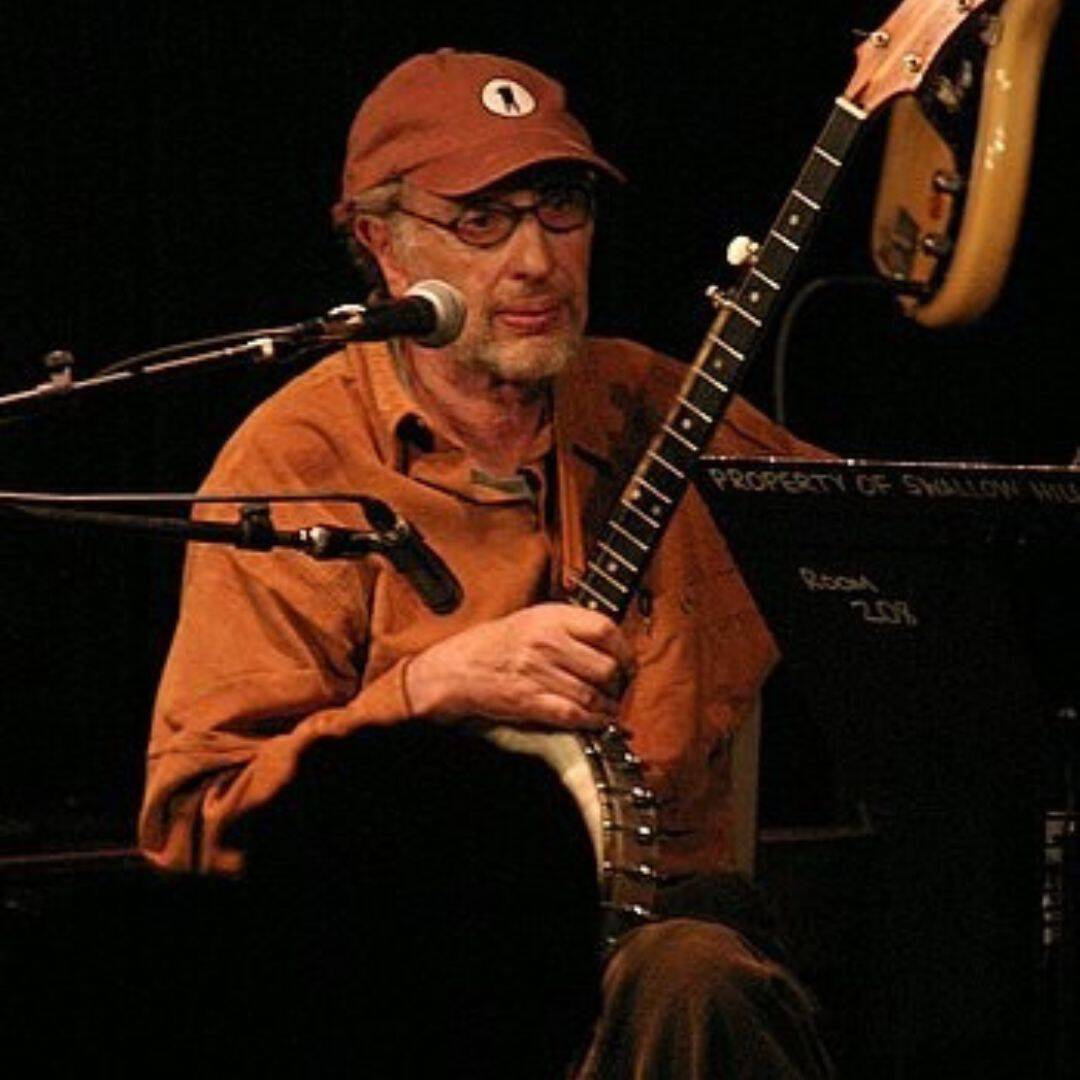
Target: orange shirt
(275, 649)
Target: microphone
(396, 540)
(426, 571)
(431, 311)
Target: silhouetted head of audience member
(424, 895)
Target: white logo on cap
(504, 97)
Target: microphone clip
(400, 542)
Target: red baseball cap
(455, 122)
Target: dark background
(168, 169)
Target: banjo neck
(625, 545)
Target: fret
(706, 397)
(607, 577)
(667, 464)
(745, 314)
(651, 490)
(628, 553)
(662, 479)
(722, 387)
(816, 179)
(597, 597)
(694, 409)
(784, 240)
(756, 272)
(639, 526)
(682, 438)
(775, 260)
(674, 453)
(640, 513)
(805, 199)
(629, 535)
(655, 509)
(616, 557)
(716, 339)
(834, 161)
(739, 337)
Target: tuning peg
(937, 244)
(878, 38)
(59, 366)
(742, 250)
(948, 183)
(716, 296)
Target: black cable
(787, 320)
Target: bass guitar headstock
(894, 58)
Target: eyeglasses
(488, 222)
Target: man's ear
(375, 235)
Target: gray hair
(380, 201)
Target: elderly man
(504, 448)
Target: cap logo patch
(504, 97)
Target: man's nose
(529, 251)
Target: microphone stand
(62, 385)
(392, 536)
(431, 311)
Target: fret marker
(686, 423)
(794, 219)
(610, 580)
(617, 557)
(596, 598)
(755, 296)
(612, 566)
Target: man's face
(527, 296)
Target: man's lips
(530, 318)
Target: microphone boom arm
(393, 537)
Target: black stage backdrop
(168, 169)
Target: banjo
(601, 770)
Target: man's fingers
(600, 632)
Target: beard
(531, 359)
(524, 361)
